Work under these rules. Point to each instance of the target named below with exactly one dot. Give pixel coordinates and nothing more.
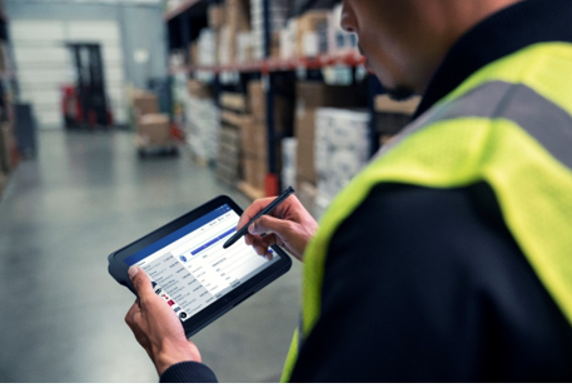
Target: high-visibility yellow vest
(509, 125)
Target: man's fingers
(253, 210)
(268, 224)
(248, 239)
(130, 316)
(141, 282)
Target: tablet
(192, 272)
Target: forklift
(84, 105)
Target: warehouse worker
(449, 257)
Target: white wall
(44, 63)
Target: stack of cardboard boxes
(152, 128)
(205, 48)
(204, 51)
(342, 149)
(278, 17)
(236, 31)
(202, 118)
(254, 142)
(310, 97)
(392, 116)
(236, 20)
(316, 32)
(233, 114)
(254, 134)
(312, 33)
(306, 35)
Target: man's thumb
(268, 224)
(140, 280)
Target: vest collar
(510, 30)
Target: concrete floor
(61, 314)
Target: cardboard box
(237, 15)
(289, 149)
(317, 95)
(229, 135)
(275, 44)
(216, 15)
(255, 170)
(244, 47)
(226, 175)
(283, 108)
(254, 141)
(231, 118)
(392, 116)
(310, 96)
(194, 53)
(199, 89)
(344, 128)
(235, 101)
(305, 133)
(154, 129)
(253, 138)
(144, 103)
(228, 156)
(306, 193)
(257, 100)
(385, 104)
(312, 34)
(227, 46)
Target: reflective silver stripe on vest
(545, 121)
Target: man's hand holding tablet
(157, 327)
(183, 261)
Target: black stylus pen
(281, 198)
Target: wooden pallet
(250, 191)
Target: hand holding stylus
(267, 210)
(289, 226)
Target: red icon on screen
(170, 302)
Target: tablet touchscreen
(190, 269)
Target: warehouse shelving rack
(8, 83)
(184, 24)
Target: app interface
(191, 270)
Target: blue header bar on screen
(162, 243)
(213, 241)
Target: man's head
(404, 41)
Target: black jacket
(428, 284)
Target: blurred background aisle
(61, 317)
